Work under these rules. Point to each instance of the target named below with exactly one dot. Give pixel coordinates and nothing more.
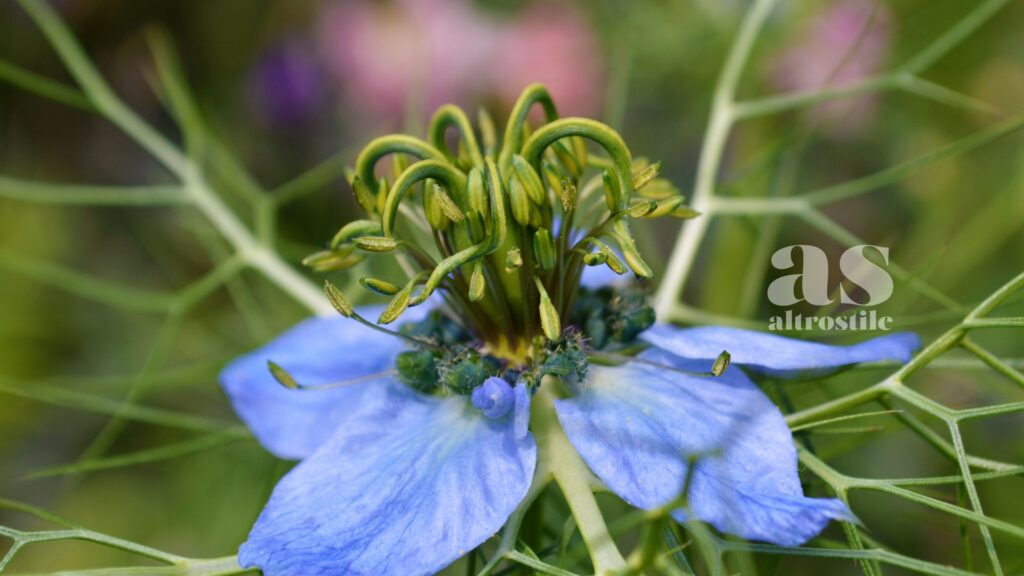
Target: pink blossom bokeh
(847, 42)
(387, 56)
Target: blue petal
(776, 355)
(322, 350)
(638, 425)
(409, 484)
(521, 417)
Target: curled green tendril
(439, 170)
(392, 144)
(513, 139)
(450, 115)
(607, 138)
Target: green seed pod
(721, 363)
(612, 191)
(519, 201)
(579, 150)
(282, 376)
(459, 236)
(554, 175)
(658, 189)
(332, 260)
(477, 283)
(611, 258)
(353, 229)
(478, 200)
(397, 305)
(549, 321)
(568, 195)
(476, 227)
(529, 179)
(595, 259)
(375, 243)
(569, 161)
(536, 216)
(615, 263)
(379, 286)
(641, 208)
(644, 175)
(684, 212)
(665, 206)
(448, 206)
(513, 260)
(620, 231)
(432, 208)
(337, 299)
(417, 369)
(544, 249)
(363, 196)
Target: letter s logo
(866, 274)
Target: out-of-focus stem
(715, 138)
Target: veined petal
(777, 355)
(319, 351)
(409, 484)
(637, 426)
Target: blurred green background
(288, 86)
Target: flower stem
(715, 139)
(572, 476)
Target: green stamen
(502, 232)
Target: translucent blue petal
(521, 417)
(637, 426)
(323, 350)
(409, 484)
(777, 355)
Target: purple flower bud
(494, 397)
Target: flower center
(500, 234)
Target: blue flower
(411, 458)
(392, 481)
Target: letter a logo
(813, 279)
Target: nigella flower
(416, 445)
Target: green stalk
(571, 474)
